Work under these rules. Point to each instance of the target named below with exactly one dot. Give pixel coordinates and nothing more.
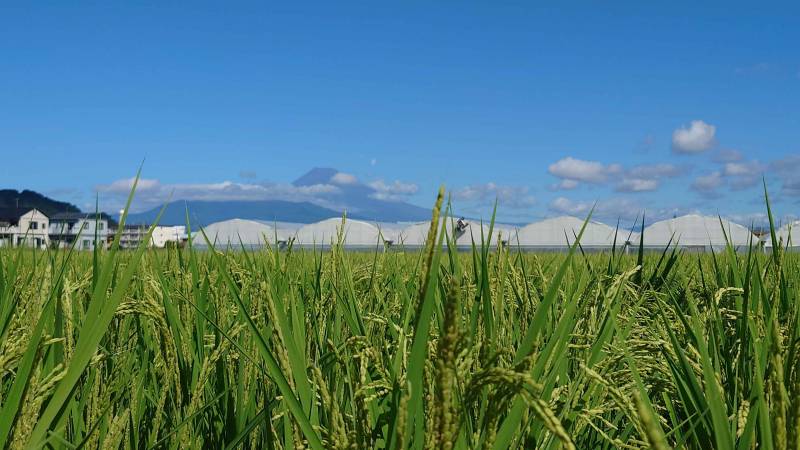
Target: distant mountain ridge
(27, 200)
(357, 199)
(361, 200)
(206, 212)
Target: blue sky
(547, 109)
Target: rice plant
(488, 349)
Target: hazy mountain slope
(206, 212)
(362, 200)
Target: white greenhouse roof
(356, 233)
(787, 235)
(416, 234)
(561, 232)
(235, 232)
(284, 230)
(696, 230)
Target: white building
(162, 235)
(24, 228)
(561, 232)
(132, 236)
(88, 229)
(696, 232)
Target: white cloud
(344, 179)
(124, 186)
(516, 197)
(580, 170)
(696, 138)
(743, 174)
(567, 206)
(647, 177)
(394, 191)
(661, 170)
(788, 171)
(639, 178)
(734, 172)
(564, 185)
(736, 169)
(373, 162)
(608, 209)
(708, 184)
(637, 185)
(727, 155)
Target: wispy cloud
(638, 178)
(708, 185)
(788, 171)
(743, 174)
(608, 209)
(637, 185)
(727, 155)
(661, 170)
(515, 197)
(124, 185)
(574, 169)
(564, 185)
(394, 191)
(344, 179)
(733, 172)
(647, 177)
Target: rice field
(490, 349)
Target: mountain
(11, 198)
(207, 212)
(360, 200)
(357, 199)
(317, 175)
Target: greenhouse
(322, 234)
(559, 233)
(235, 233)
(786, 236)
(416, 234)
(696, 232)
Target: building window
(101, 226)
(33, 226)
(86, 244)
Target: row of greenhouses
(692, 232)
